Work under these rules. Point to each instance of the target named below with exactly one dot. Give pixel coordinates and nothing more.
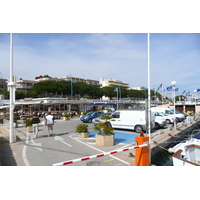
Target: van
(168, 112)
(131, 119)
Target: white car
(168, 118)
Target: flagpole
(149, 97)
(162, 93)
(117, 100)
(11, 86)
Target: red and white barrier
(98, 155)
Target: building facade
(3, 84)
(24, 85)
(104, 82)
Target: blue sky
(118, 56)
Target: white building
(24, 85)
(111, 82)
(76, 79)
(138, 88)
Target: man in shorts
(49, 123)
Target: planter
(104, 140)
(83, 135)
(29, 128)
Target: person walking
(35, 122)
(49, 123)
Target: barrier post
(142, 154)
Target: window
(116, 115)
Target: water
(164, 159)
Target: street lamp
(195, 103)
(173, 83)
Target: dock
(163, 138)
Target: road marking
(24, 156)
(98, 149)
(36, 144)
(61, 140)
(108, 160)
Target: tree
(108, 91)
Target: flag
(176, 90)
(169, 88)
(188, 94)
(198, 91)
(116, 89)
(159, 87)
(183, 92)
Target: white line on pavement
(71, 136)
(24, 156)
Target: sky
(120, 56)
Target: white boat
(190, 156)
(187, 153)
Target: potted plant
(82, 130)
(105, 136)
(66, 116)
(28, 123)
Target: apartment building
(111, 82)
(24, 85)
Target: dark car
(98, 119)
(90, 116)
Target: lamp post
(173, 83)
(11, 86)
(195, 103)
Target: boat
(190, 156)
(187, 152)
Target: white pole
(174, 108)
(11, 84)
(149, 96)
(117, 99)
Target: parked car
(169, 118)
(159, 120)
(179, 115)
(90, 116)
(98, 119)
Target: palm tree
(104, 128)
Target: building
(76, 79)
(46, 78)
(3, 84)
(111, 82)
(24, 85)
(67, 78)
(138, 88)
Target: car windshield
(90, 113)
(168, 112)
(159, 114)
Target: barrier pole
(97, 156)
(142, 155)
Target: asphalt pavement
(65, 145)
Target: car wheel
(168, 121)
(90, 120)
(138, 129)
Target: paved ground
(64, 145)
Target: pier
(164, 138)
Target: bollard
(142, 154)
